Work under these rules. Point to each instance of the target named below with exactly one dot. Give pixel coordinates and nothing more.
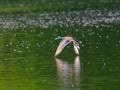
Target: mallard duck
(65, 41)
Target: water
(88, 17)
(27, 50)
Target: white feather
(76, 49)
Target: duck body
(65, 41)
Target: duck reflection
(68, 74)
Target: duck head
(59, 37)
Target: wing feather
(61, 46)
(76, 49)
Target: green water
(27, 45)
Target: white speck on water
(31, 68)
(7, 45)
(20, 51)
(87, 17)
(82, 45)
(6, 59)
(72, 86)
(96, 46)
(104, 65)
(44, 80)
(14, 50)
(11, 43)
(107, 36)
(100, 36)
(119, 42)
(27, 47)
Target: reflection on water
(68, 74)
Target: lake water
(27, 48)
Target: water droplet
(72, 86)
(107, 36)
(27, 47)
(96, 46)
(44, 80)
(14, 50)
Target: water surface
(27, 50)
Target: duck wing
(76, 50)
(61, 46)
(76, 47)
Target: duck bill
(56, 38)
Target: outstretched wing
(61, 46)
(76, 49)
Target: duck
(64, 42)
